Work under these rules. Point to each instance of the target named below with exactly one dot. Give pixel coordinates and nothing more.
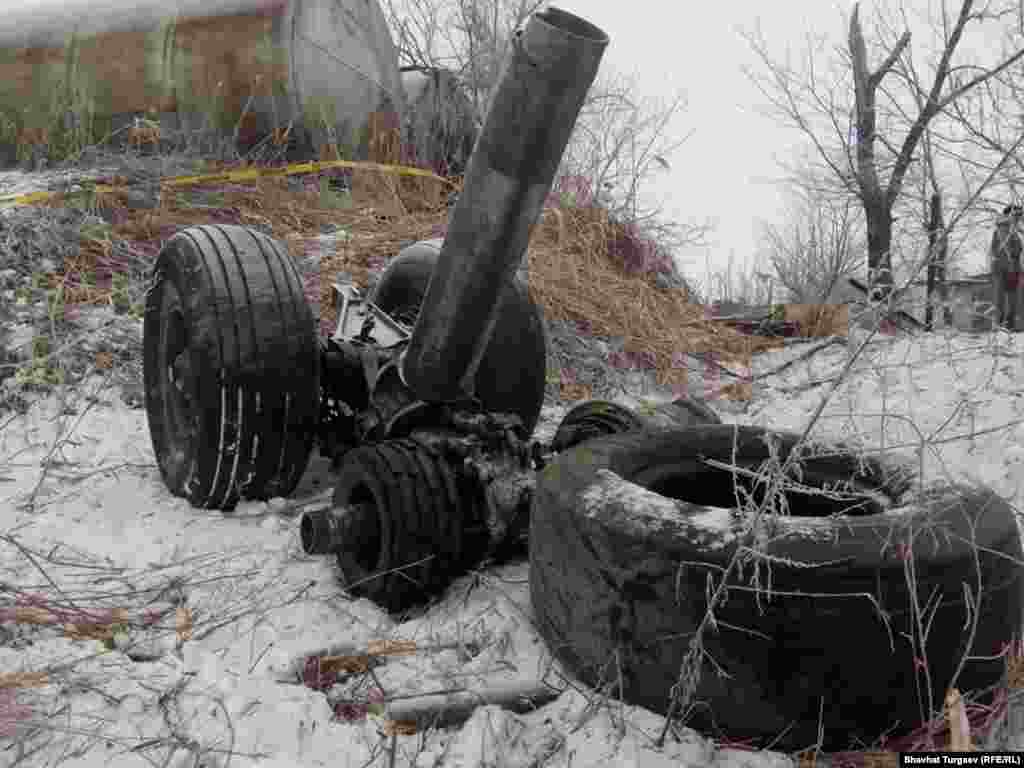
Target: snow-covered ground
(87, 522)
(954, 403)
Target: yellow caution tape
(31, 197)
(244, 174)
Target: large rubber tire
(411, 539)
(696, 411)
(597, 418)
(679, 414)
(231, 367)
(594, 418)
(512, 371)
(619, 581)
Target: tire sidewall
(253, 366)
(609, 578)
(180, 266)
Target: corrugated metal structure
(193, 60)
(971, 302)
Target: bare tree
(872, 143)
(820, 244)
(468, 37)
(738, 284)
(938, 249)
(620, 143)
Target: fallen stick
(807, 385)
(348, 658)
(443, 710)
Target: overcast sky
(727, 171)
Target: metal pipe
(533, 110)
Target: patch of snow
(550, 417)
(960, 391)
(713, 518)
(106, 532)
(610, 495)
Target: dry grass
(272, 205)
(571, 274)
(573, 278)
(818, 320)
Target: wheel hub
(178, 386)
(179, 373)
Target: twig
(346, 657)
(808, 384)
(60, 441)
(802, 356)
(444, 710)
(35, 564)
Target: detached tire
(594, 418)
(230, 367)
(620, 577)
(512, 371)
(681, 413)
(696, 410)
(597, 418)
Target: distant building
(970, 298)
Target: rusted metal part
(503, 432)
(362, 320)
(553, 62)
(501, 468)
(509, 497)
